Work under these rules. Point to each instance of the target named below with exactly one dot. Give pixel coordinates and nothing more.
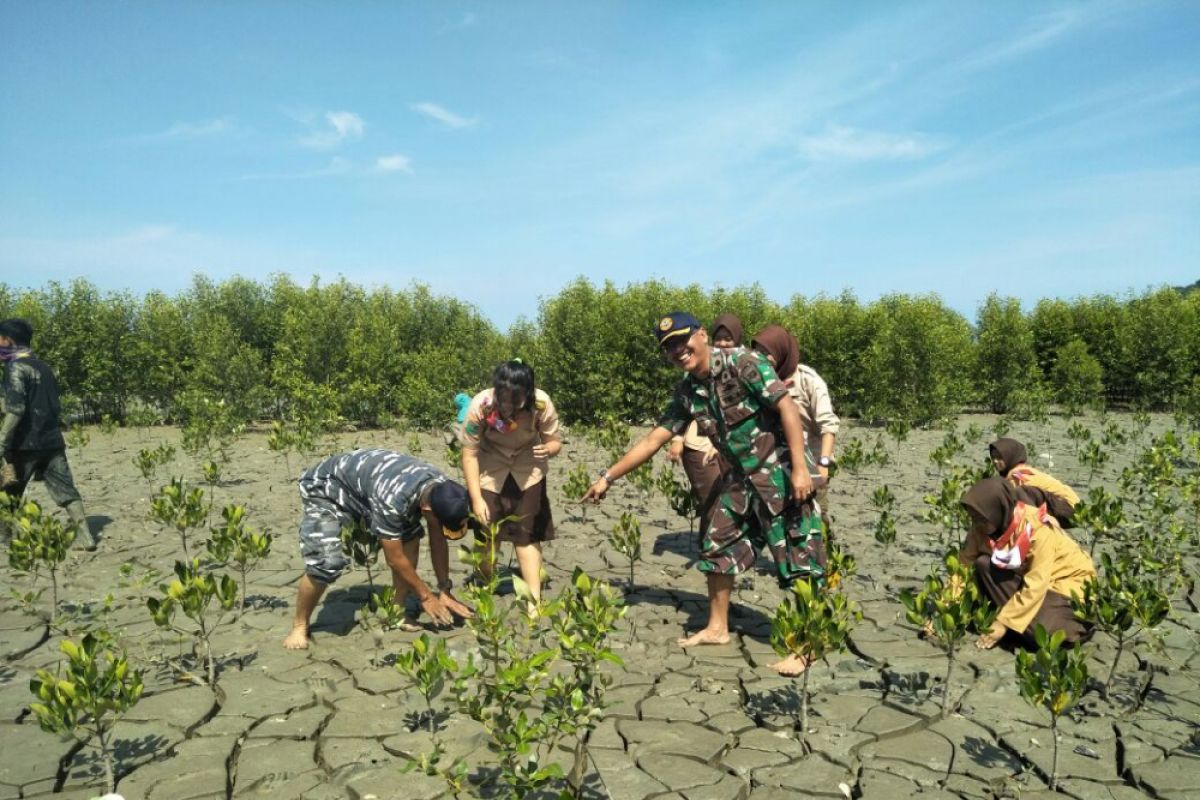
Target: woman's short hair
(515, 376)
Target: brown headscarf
(1010, 450)
(731, 323)
(775, 341)
(994, 499)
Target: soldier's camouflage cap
(677, 323)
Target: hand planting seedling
(87, 696)
(180, 508)
(204, 598)
(1054, 678)
(234, 543)
(947, 607)
(811, 623)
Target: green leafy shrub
(180, 508)
(1053, 677)
(87, 696)
(626, 539)
(39, 541)
(204, 598)
(234, 543)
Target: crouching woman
(1023, 563)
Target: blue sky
(496, 151)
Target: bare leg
(717, 631)
(412, 551)
(307, 596)
(529, 558)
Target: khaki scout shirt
(1056, 564)
(504, 453)
(811, 394)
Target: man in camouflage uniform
(31, 437)
(737, 401)
(389, 494)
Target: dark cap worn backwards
(448, 500)
(18, 330)
(675, 324)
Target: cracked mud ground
(709, 724)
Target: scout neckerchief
(1011, 549)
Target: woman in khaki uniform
(509, 433)
(1023, 563)
(1009, 456)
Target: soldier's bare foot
(705, 636)
(297, 639)
(791, 666)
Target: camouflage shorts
(321, 540)
(742, 524)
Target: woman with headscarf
(701, 462)
(811, 395)
(1023, 563)
(1009, 456)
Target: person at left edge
(31, 437)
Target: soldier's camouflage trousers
(742, 524)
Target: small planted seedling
(149, 460)
(180, 508)
(944, 454)
(578, 481)
(885, 530)
(626, 539)
(1002, 427)
(1122, 602)
(945, 509)
(363, 548)
(1113, 435)
(39, 541)
(381, 613)
(431, 669)
(233, 543)
(1053, 677)
(1080, 435)
(87, 696)
(78, 437)
(282, 440)
(898, 429)
(948, 606)
(204, 598)
(1094, 457)
(811, 623)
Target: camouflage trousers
(743, 523)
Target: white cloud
(202, 129)
(339, 127)
(393, 163)
(444, 116)
(840, 143)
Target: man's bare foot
(297, 639)
(704, 636)
(791, 666)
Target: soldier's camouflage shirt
(379, 488)
(735, 407)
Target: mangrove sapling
(1080, 435)
(577, 483)
(898, 429)
(948, 606)
(431, 669)
(180, 508)
(78, 438)
(1053, 677)
(1122, 602)
(505, 690)
(840, 565)
(884, 501)
(1100, 514)
(944, 454)
(211, 471)
(1094, 457)
(1139, 423)
(363, 548)
(233, 543)
(204, 598)
(149, 460)
(626, 539)
(87, 696)
(381, 613)
(642, 480)
(1002, 427)
(811, 622)
(973, 435)
(1113, 435)
(39, 540)
(853, 456)
(414, 444)
(282, 440)
(585, 614)
(945, 509)
(679, 496)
